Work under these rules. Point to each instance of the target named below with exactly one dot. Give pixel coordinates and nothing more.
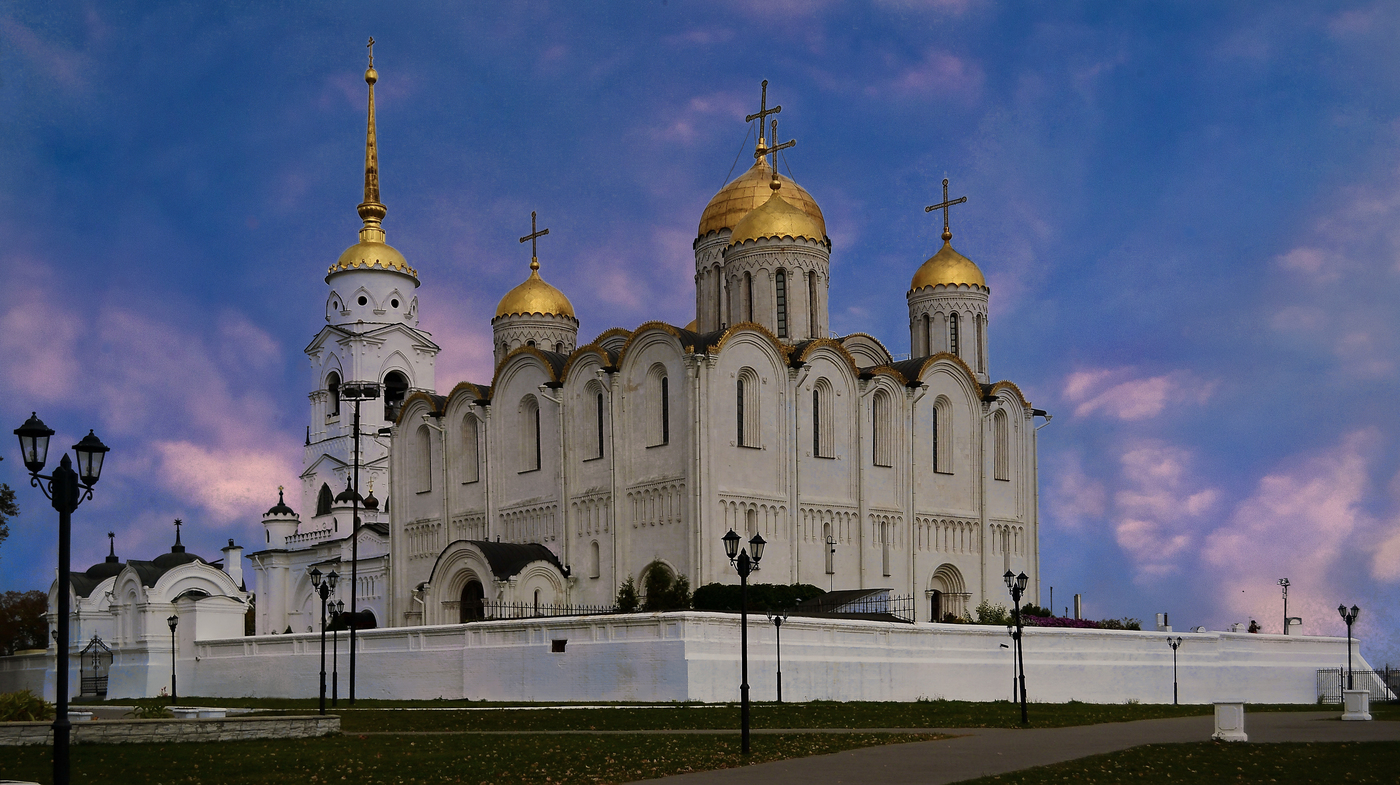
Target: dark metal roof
(509, 558)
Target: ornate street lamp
(1017, 585)
(1284, 584)
(67, 489)
(173, 621)
(357, 393)
(323, 588)
(1349, 616)
(778, 619)
(1175, 643)
(744, 564)
(337, 616)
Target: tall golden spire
(371, 210)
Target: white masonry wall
(695, 656)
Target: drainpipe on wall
(912, 517)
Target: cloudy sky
(1189, 215)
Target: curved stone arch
(459, 563)
(947, 578)
(334, 304)
(331, 365)
(194, 575)
(536, 575)
(611, 335)
(956, 370)
(393, 295)
(648, 333)
(364, 292)
(813, 347)
(754, 333)
(1002, 386)
(529, 356)
(396, 361)
(868, 343)
(584, 357)
(415, 405)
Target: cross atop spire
(178, 547)
(762, 117)
(944, 205)
(534, 236)
(371, 210)
(111, 546)
(776, 183)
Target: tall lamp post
(323, 587)
(778, 619)
(1349, 616)
(173, 621)
(1284, 584)
(357, 393)
(1175, 643)
(337, 616)
(1017, 585)
(67, 489)
(744, 564)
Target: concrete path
(979, 752)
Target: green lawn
(425, 759)
(1213, 762)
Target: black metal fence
(530, 610)
(899, 606)
(1384, 685)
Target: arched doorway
(472, 606)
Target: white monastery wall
(695, 656)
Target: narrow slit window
(740, 418)
(665, 410)
(780, 284)
(953, 334)
(600, 425)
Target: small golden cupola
(371, 282)
(948, 300)
(727, 208)
(534, 313)
(785, 292)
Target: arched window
(881, 436)
(885, 547)
(823, 420)
(333, 388)
(780, 286)
(324, 500)
(1001, 445)
(529, 434)
(423, 450)
(812, 305)
(559, 347)
(748, 297)
(658, 406)
(600, 425)
(942, 435)
(471, 464)
(750, 522)
(594, 562)
(747, 409)
(981, 350)
(537, 602)
(472, 605)
(926, 334)
(395, 388)
(953, 334)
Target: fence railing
(1384, 685)
(529, 610)
(899, 606)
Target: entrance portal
(472, 606)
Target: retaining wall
(19, 734)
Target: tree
(627, 601)
(9, 508)
(23, 621)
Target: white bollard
(1229, 721)
(1356, 704)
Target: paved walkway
(979, 752)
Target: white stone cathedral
(580, 466)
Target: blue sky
(1187, 214)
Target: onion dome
(749, 191)
(110, 566)
(534, 296)
(949, 268)
(177, 555)
(280, 508)
(371, 503)
(371, 252)
(348, 496)
(776, 217)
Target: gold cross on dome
(370, 46)
(944, 205)
(776, 183)
(762, 116)
(534, 236)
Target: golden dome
(369, 255)
(748, 191)
(776, 218)
(535, 296)
(947, 267)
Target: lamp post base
(1356, 705)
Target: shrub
(663, 593)
(627, 601)
(763, 597)
(24, 706)
(152, 708)
(1120, 624)
(1031, 609)
(989, 612)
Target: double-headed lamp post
(67, 489)
(1175, 643)
(744, 564)
(357, 393)
(173, 621)
(1349, 616)
(337, 615)
(778, 619)
(1017, 585)
(323, 587)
